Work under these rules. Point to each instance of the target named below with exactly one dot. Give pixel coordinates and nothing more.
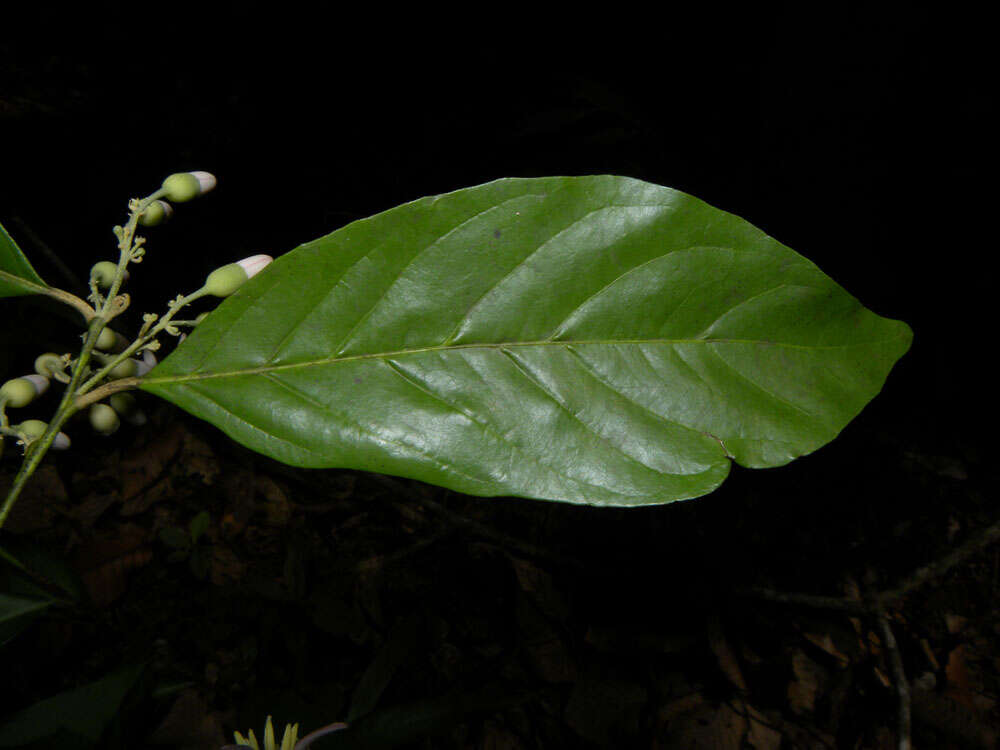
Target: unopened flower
(103, 273)
(111, 341)
(156, 212)
(32, 429)
(103, 419)
(183, 186)
(22, 391)
(224, 281)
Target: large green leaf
(16, 274)
(588, 339)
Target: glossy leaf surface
(587, 339)
(17, 277)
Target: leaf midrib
(21, 281)
(153, 380)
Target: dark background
(857, 136)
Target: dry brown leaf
(146, 461)
(277, 506)
(825, 643)
(724, 655)
(104, 561)
(760, 734)
(173, 458)
(809, 678)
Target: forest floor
(428, 619)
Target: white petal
(206, 181)
(254, 264)
(40, 382)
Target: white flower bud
(184, 186)
(225, 280)
(156, 212)
(111, 341)
(32, 429)
(103, 273)
(103, 419)
(22, 391)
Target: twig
(938, 568)
(838, 603)
(900, 681)
(877, 603)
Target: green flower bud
(124, 369)
(49, 363)
(104, 273)
(111, 341)
(156, 212)
(32, 429)
(183, 186)
(22, 391)
(103, 419)
(224, 281)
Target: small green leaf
(17, 277)
(17, 613)
(41, 564)
(84, 711)
(586, 339)
(199, 525)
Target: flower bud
(32, 429)
(103, 273)
(48, 364)
(22, 391)
(126, 406)
(103, 419)
(224, 281)
(156, 212)
(183, 186)
(124, 369)
(111, 341)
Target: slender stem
(73, 301)
(136, 345)
(895, 660)
(108, 389)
